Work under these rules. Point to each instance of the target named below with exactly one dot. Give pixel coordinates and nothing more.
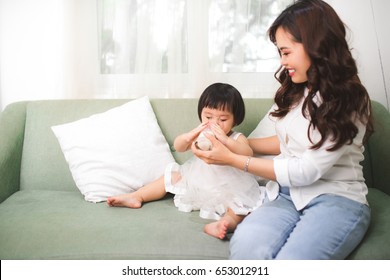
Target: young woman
(220, 192)
(316, 205)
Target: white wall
(30, 59)
(367, 22)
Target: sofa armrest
(12, 124)
(379, 149)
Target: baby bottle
(202, 142)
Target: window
(238, 40)
(178, 47)
(147, 36)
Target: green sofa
(44, 216)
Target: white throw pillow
(115, 152)
(266, 126)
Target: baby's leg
(150, 192)
(227, 223)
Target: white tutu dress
(213, 189)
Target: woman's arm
(221, 155)
(265, 146)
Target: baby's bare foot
(217, 229)
(125, 200)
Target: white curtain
(56, 49)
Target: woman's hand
(219, 154)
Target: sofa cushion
(41, 224)
(376, 242)
(114, 152)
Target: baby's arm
(239, 146)
(184, 141)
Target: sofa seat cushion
(42, 224)
(377, 236)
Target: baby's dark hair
(223, 97)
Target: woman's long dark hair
(333, 73)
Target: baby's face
(223, 118)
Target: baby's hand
(219, 133)
(193, 134)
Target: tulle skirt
(212, 189)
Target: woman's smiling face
(292, 56)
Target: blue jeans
(330, 227)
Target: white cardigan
(309, 173)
